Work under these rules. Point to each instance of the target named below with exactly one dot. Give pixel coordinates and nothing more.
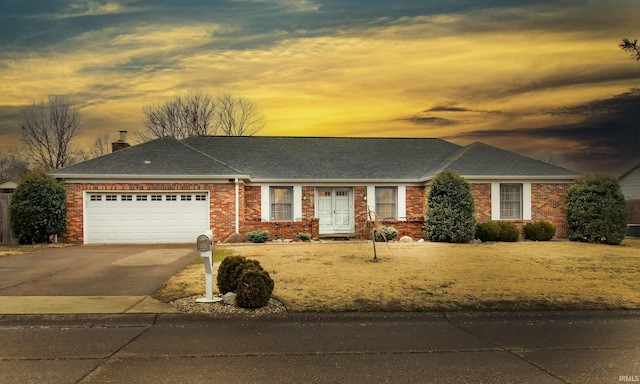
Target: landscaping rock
(229, 298)
(235, 238)
(406, 239)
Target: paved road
(588, 347)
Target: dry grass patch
(15, 250)
(439, 276)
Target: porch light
(364, 198)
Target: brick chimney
(121, 143)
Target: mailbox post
(204, 243)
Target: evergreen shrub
(597, 210)
(539, 230)
(304, 236)
(450, 209)
(254, 289)
(385, 233)
(38, 208)
(489, 231)
(508, 231)
(258, 236)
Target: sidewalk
(46, 305)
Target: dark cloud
(444, 108)
(9, 116)
(429, 120)
(40, 24)
(607, 139)
(426, 117)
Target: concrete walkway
(46, 305)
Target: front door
(335, 210)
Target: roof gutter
(513, 177)
(111, 177)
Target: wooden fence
(6, 237)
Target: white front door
(335, 210)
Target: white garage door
(129, 217)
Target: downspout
(237, 206)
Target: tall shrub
(450, 213)
(38, 208)
(596, 210)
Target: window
(185, 197)
(156, 197)
(126, 198)
(96, 197)
(111, 198)
(281, 203)
(510, 201)
(201, 197)
(141, 197)
(171, 197)
(386, 202)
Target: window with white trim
(510, 201)
(281, 200)
(387, 203)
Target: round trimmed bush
(384, 233)
(539, 230)
(258, 236)
(226, 270)
(508, 231)
(254, 289)
(230, 271)
(304, 236)
(489, 231)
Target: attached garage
(130, 217)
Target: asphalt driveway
(93, 270)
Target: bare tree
(237, 116)
(101, 146)
(546, 156)
(196, 113)
(47, 131)
(631, 47)
(12, 166)
(182, 116)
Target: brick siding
(548, 203)
(283, 230)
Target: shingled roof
(266, 158)
(162, 157)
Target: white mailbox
(204, 243)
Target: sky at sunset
(540, 78)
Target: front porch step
(336, 236)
